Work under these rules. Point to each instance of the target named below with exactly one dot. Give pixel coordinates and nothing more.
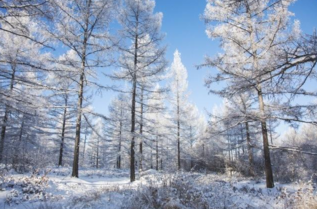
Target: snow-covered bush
(26, 188)
(304, 198)
(175, 192)
(3, 173)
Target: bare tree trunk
(21, 129)
(178, 135)
(132, 152)
(229, 146)
(141, 130)
(60, 161)
(119, 148)
(80, 96)
(17, 149)
(132, 157)
(157, 154)
(242, 138)
(271, 134)
(251, 171)
(162, 153)
(6, 114)
(267, 158)
(78, 126)
(151, 154)
(97, 160)
(3, 132)
(249, 145)
(191, 147)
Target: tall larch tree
(144, 59)
(179, 99)
(257, 38)
(82, 26)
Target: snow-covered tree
(144, 59)
(195, 127)
(62, 101)
(82, 27)
(256, 37)
(18, 73)
(178, 100)
(97, 144)
(155, 128)
(118, 129)
(12, 14)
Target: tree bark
(251, 171)
(132, 153)
(141, 131)
(60, 161)
(97, 160)
(78, 127)
(267, 158)
(157, 154)
(249, 146)
(119, 148)
(6, 114)
(21, 129)
(80, 96)
(191, 147)
(178, 135)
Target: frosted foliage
(248, 28)
(156, 115)
(73, 18)
(179, 73)
(99, 126)
(147, 50)
(148, 7)
(296, 29)
(17, 46)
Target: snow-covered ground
(112, 189)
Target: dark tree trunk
(151, 154)
(267, 158)
(251, 171)
(78, 126)
(157, 154)
(3, 132)
(6, 115)
(191, 147)
(97, 160)
(81, 95)
(119, 148)
(178, 135)
(132, 152)
(21, 129)
(60, 161)
(141, 131)
(249, 145)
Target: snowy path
(92, 181)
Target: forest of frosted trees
(57, 55)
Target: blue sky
(185, 31)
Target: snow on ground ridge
(112, 189)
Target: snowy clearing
(112, 189)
